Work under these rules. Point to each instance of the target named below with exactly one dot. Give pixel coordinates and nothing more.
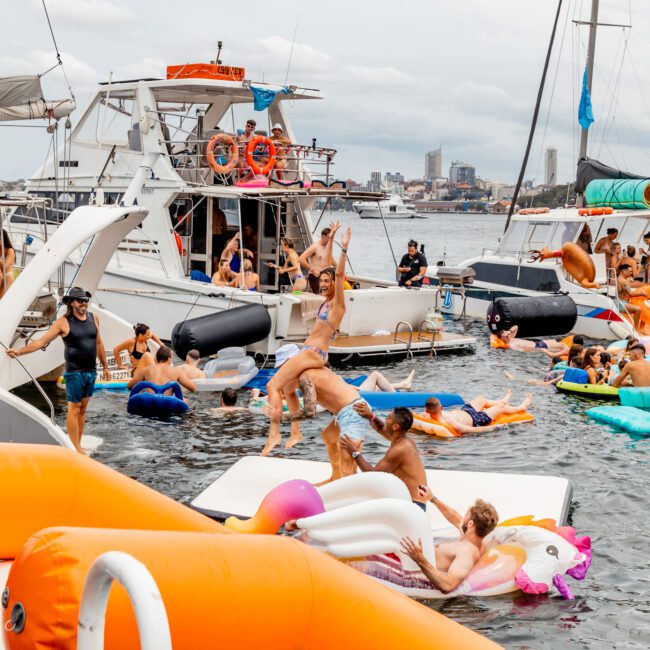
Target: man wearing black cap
(412, 266)
(79, 330)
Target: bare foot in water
(271, 444)
(527, 402)
(507, 396)
(408, 382)
(294, 439)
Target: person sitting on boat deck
(645, 252)
(162, 372)
(316, 258)
(248, 132)
(615, 257)
(585, 239)
(604, 245)
(314, 351)
(376, 382)
(7, 261)
(476, 415)
(191, 365)
(637, 368)
(413, 266)
(224, 276)
(251, 280)
(402, 458)
(137, 347)
(550, 347)
(281, 143)
(291, 265)
(629, 257)
(232, 253)
(79, 331)
(454, 560)
(626, 291)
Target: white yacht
(507, 270)
(394, 207)
(166, 124)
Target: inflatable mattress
(630, 418)
(231, 369)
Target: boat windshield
(523, 236)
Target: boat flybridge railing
(189, 160)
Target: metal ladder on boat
(420, 336)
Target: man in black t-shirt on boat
(413, 267)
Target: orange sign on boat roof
(205, 71)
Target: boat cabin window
(532, 278)
(513, 238)
(565, 231)
(633, 230)
(114, 119)
(538, 235)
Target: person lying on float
(161, 373)
(550, 347)
(477, 415)
(454, 560)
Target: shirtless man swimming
(637, 368)
(191, 365)
(454, 560)
(550, 347)
(162, 372)
(332, 392)
(476, 415)
(317, 257)
(402, 458)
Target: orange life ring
(250, 148)
(534, 211)
(179, 243)
(594, 212)
(222, 139)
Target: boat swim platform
(402, 343)
(240, 490)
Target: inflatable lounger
(156, 405)
(231, 369)
(424, 424)
(388, 401)
(366, 515)
(576, 382)
(630, 418)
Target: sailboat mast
(591, 49)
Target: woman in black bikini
(138, 348)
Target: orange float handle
(594, 212)
(250, 148)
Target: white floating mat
(240, 489)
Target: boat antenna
(219, 48)
(531, 135)
(293, 42)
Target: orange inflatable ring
(179, 243)
(576, 263)
(534, 211)
(218, 140)
(250, 148)
(424, 424)
(594, 212)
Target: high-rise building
(461, 172)
(433, 164)
(550, 166)
(374, 184)
(390, 178)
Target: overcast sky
(398, 78)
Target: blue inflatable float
(411, 400)
(633, 414)
(156, 404)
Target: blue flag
(263, 98)
(585, 110)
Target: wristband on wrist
(433, 499)
(344, 250)
(373, 417)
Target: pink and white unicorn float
(362, 518)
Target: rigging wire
(58, 53)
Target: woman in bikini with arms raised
(314, 352)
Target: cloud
(90, 14)
(278, 49)
(384, 75)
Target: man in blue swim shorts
(329, 390)
(79, 330)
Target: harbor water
(608, 469)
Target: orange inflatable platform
(219, 590)
(222, 591)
